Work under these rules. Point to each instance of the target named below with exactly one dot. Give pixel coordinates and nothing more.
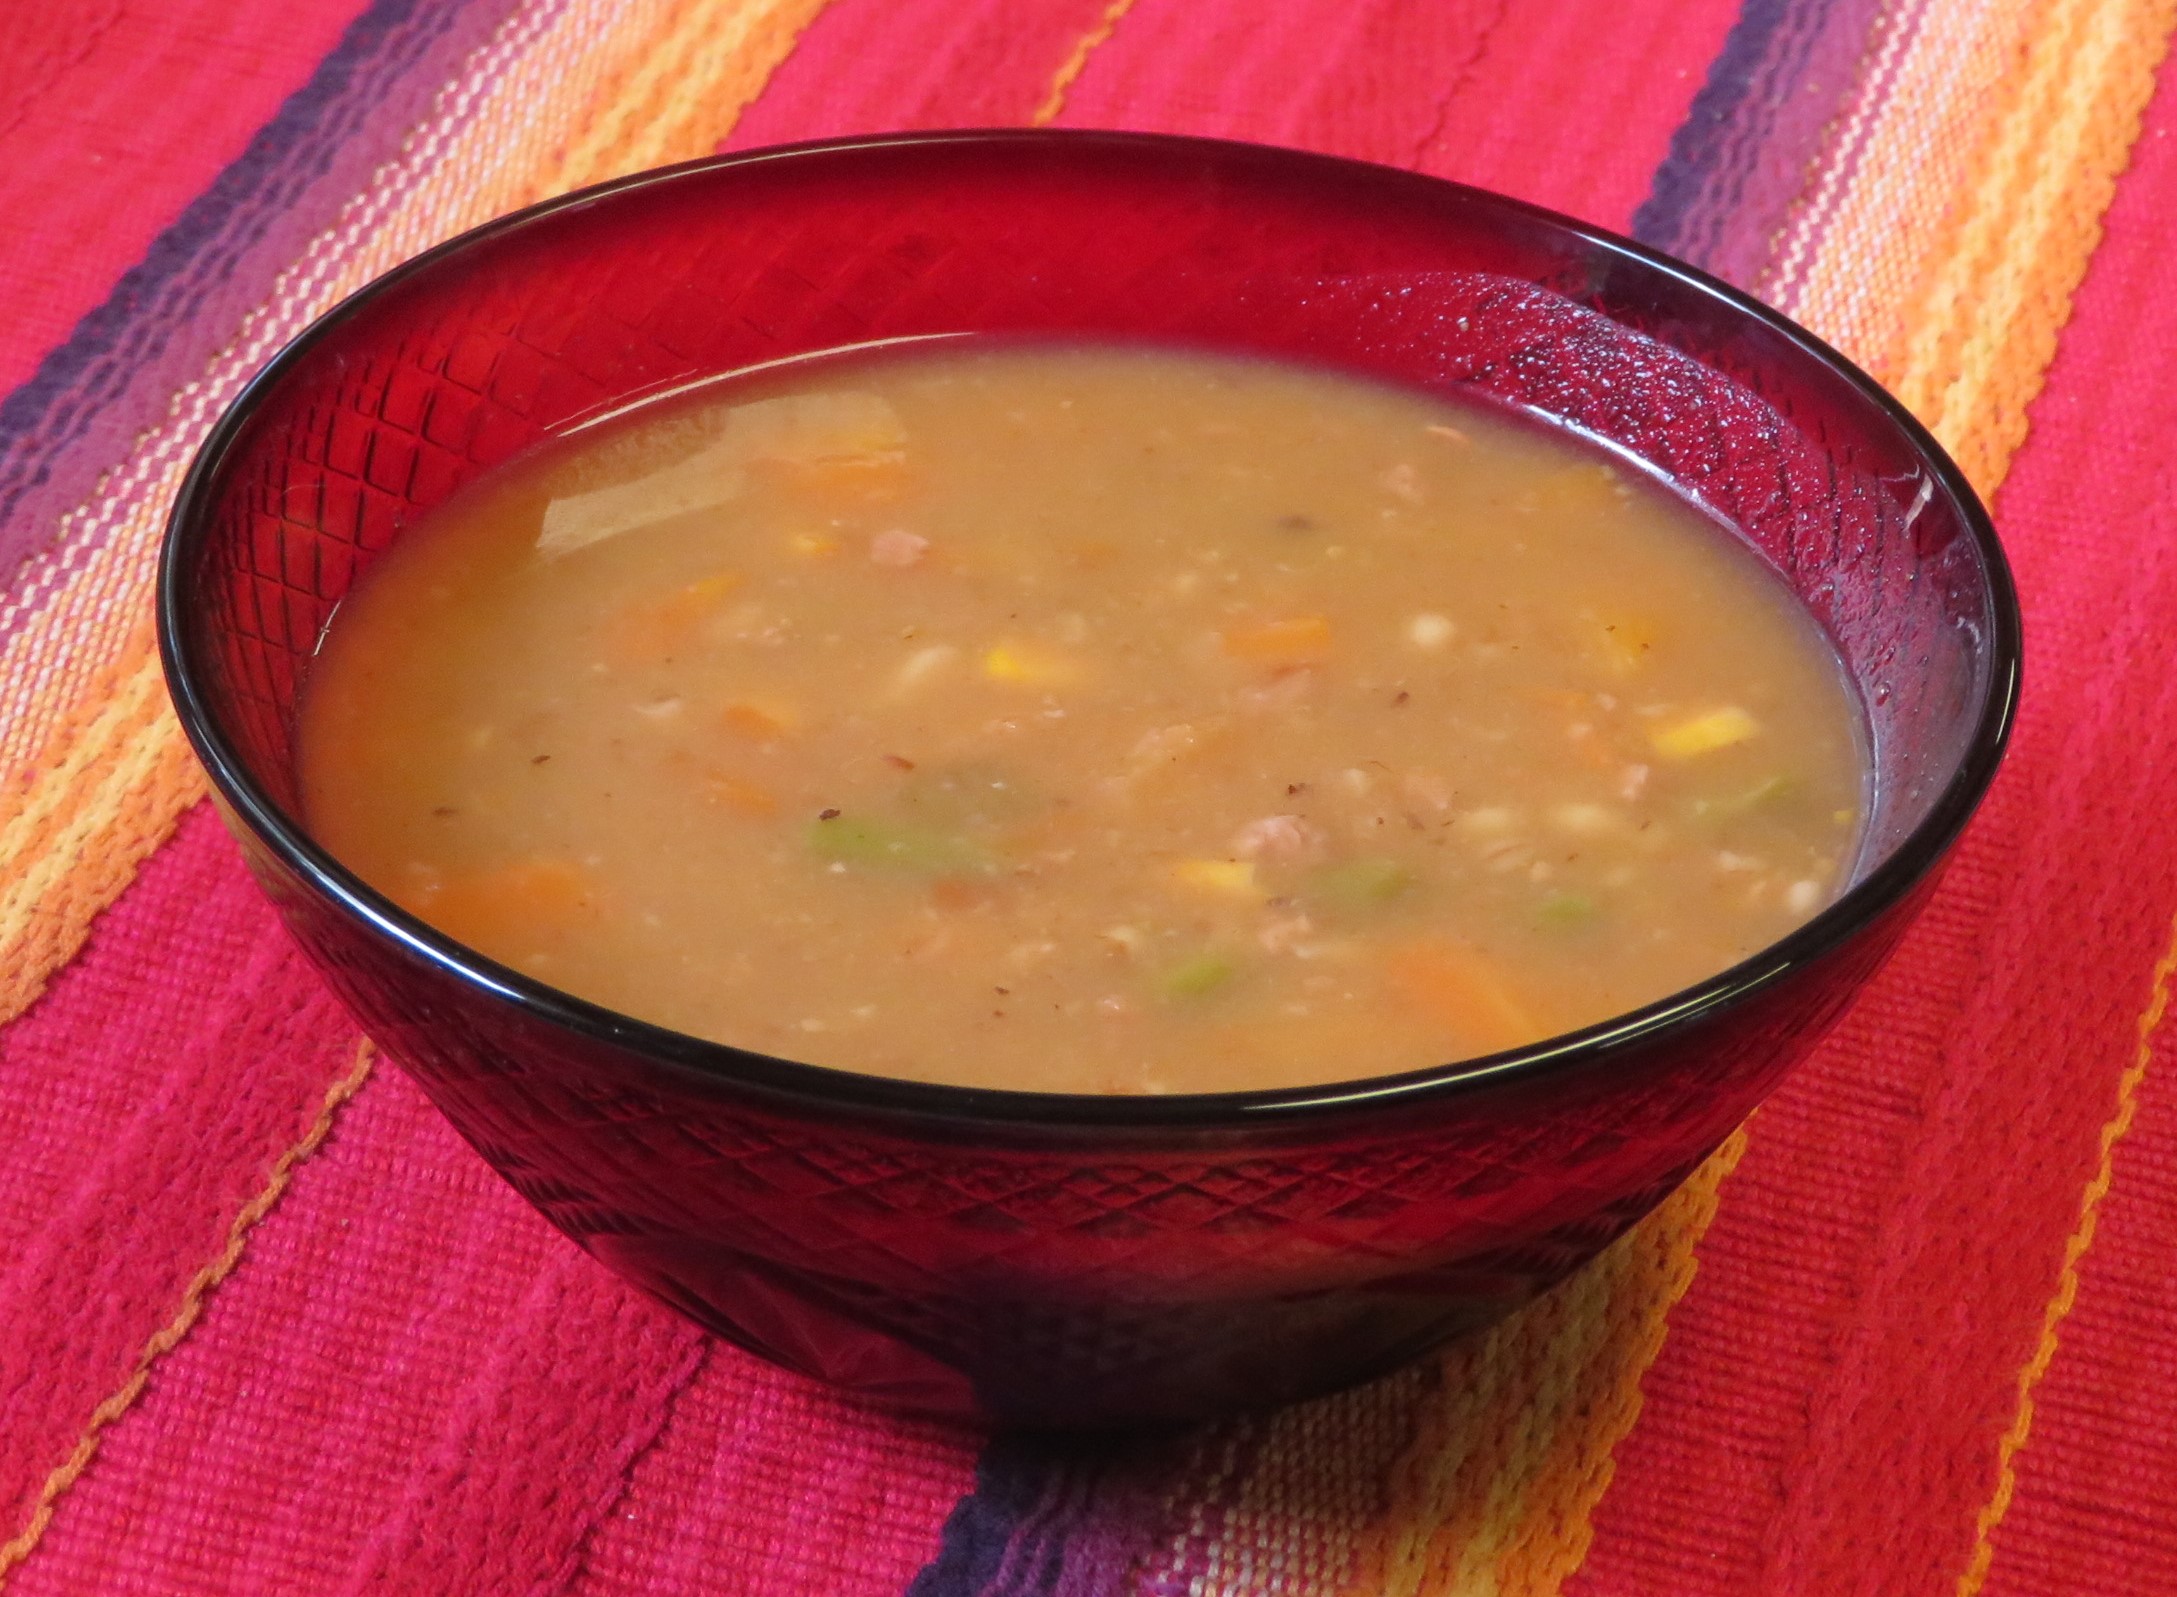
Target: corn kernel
(1704, 734)
(1029, 665)
(1230, 878)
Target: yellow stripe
(1599, 1405)
(610, 87)
(1983, 326)
(1989, 294)
(47, 668)
(1880, 218)
(168, 1336)
(2067, 1281)
(519, 124)
(492, 142)
(1987, 329)
(1309, 1484)
(691, 89)
(1496, 1492)
(1479, 1456)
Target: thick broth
(1085, 719)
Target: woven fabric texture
(266, 1325)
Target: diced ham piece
(898, 547)
(1278, 837)
(1283, 691)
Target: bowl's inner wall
(562, 317)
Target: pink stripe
(565, 1392)
(785, 1485)
(129, 1156)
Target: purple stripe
(999, 1537)
(1077, 1516)
(1749, 146)
(166, 318)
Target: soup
(1085, 719)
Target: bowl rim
(831, 1091)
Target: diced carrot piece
(731, 792)
(1295, 640)
(758, 723)
(850, 444)
(1460, 989)
(702, 595)
(654, 628)
(958, 893)
(875, 477)
(499, 910)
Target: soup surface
(1092, 719)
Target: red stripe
(1825, 1416)
(116, 116)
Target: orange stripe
(111, 785)
(1054, 100)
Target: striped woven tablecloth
(267, 1326)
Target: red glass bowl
(1036, 1257)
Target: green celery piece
(1204, 973)
(1359, 884)
(969, 795)
(1760, 796)
(859, 840)
(1564, 911)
